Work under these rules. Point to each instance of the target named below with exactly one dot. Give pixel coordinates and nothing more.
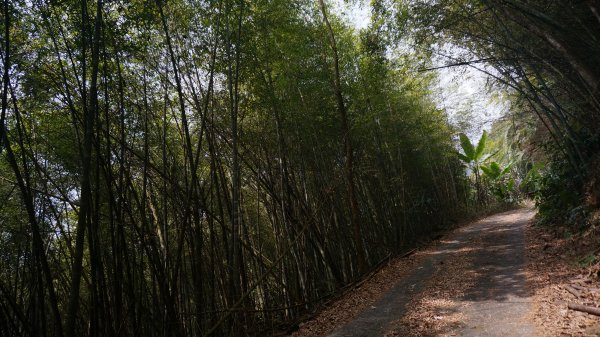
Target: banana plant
(494, 172)
(473, 155)
(501, 188)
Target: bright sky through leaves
(462, 91)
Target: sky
(465, 89)
(459, 89)
(357, 13)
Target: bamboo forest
(232, 167)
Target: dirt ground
(563, 268)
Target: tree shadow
(496, 291)
(500, 263)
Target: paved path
(494, 306)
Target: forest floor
(499, 276)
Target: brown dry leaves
(553, 270)
(354, 301)
(552, 267)
(434, 312)
(343, 310)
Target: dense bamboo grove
(191, 168)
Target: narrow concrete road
(497, 302)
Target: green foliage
(587, 260)
(556, 193)
(494, 172)
(502, 186)
(473, 154)
(468, 148)
(504, 191)
(479, 150)
(532, 183)
(474, 157)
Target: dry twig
(584, 308)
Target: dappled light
(472, 281)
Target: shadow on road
(493, 306)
